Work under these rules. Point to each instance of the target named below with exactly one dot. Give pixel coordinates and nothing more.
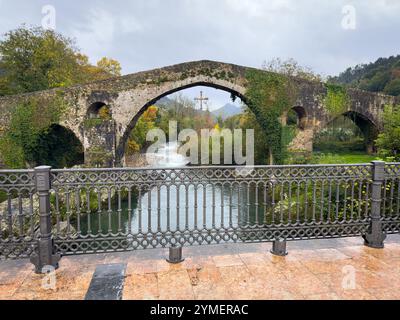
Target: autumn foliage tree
(137, 140)
(33, 59)
(109, 66)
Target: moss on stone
(336, 100)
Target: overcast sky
(147, 34)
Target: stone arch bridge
(129, 96)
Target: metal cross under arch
(201, 99)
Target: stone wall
(303, 141)
(99, 140)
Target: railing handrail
(17, 171)
(212, 167)
(11, 171)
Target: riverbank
(136, 160)
(347, 158)
(330, 158)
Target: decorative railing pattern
(391, 198)
(206, 205)
(103, 210)
(18, 213)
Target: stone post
(44, 257)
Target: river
(171, 208)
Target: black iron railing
(46, 213)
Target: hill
(227, 111)
(383, 75)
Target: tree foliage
(269, 95)
(291, 68)
(137, 140)
(110, 66)
(105, 113)
(248, 120)
(183, 110)
(33, 59)
(388, 141)
(33, 138)
(336, 100)
(383, 75)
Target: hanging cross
(201, 99)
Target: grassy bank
(345, 158)
(331, 158)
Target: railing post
(375, 236)
(279, 248)
(45, 256)
(175, 255)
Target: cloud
(147, 34)
(95, 34)
(130, 25)
(259, 8)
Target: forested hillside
(383, 75)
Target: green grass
(343, 158)
(330, 158)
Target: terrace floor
(318, 269)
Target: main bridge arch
(232, 88)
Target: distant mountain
(383, 75)
(164, 101)
(227, 111)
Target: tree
(249, 121)
(110, 66)
(30, 138)
(383, 75)
(232, 122)
(33, 59)
(137, 140)
(388, 141)
(290, 67)
(393, 88)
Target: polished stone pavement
(315, 269)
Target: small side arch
(302, 119)
(98, 110)
(59, 148)
(296, 116)
(368, 128)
